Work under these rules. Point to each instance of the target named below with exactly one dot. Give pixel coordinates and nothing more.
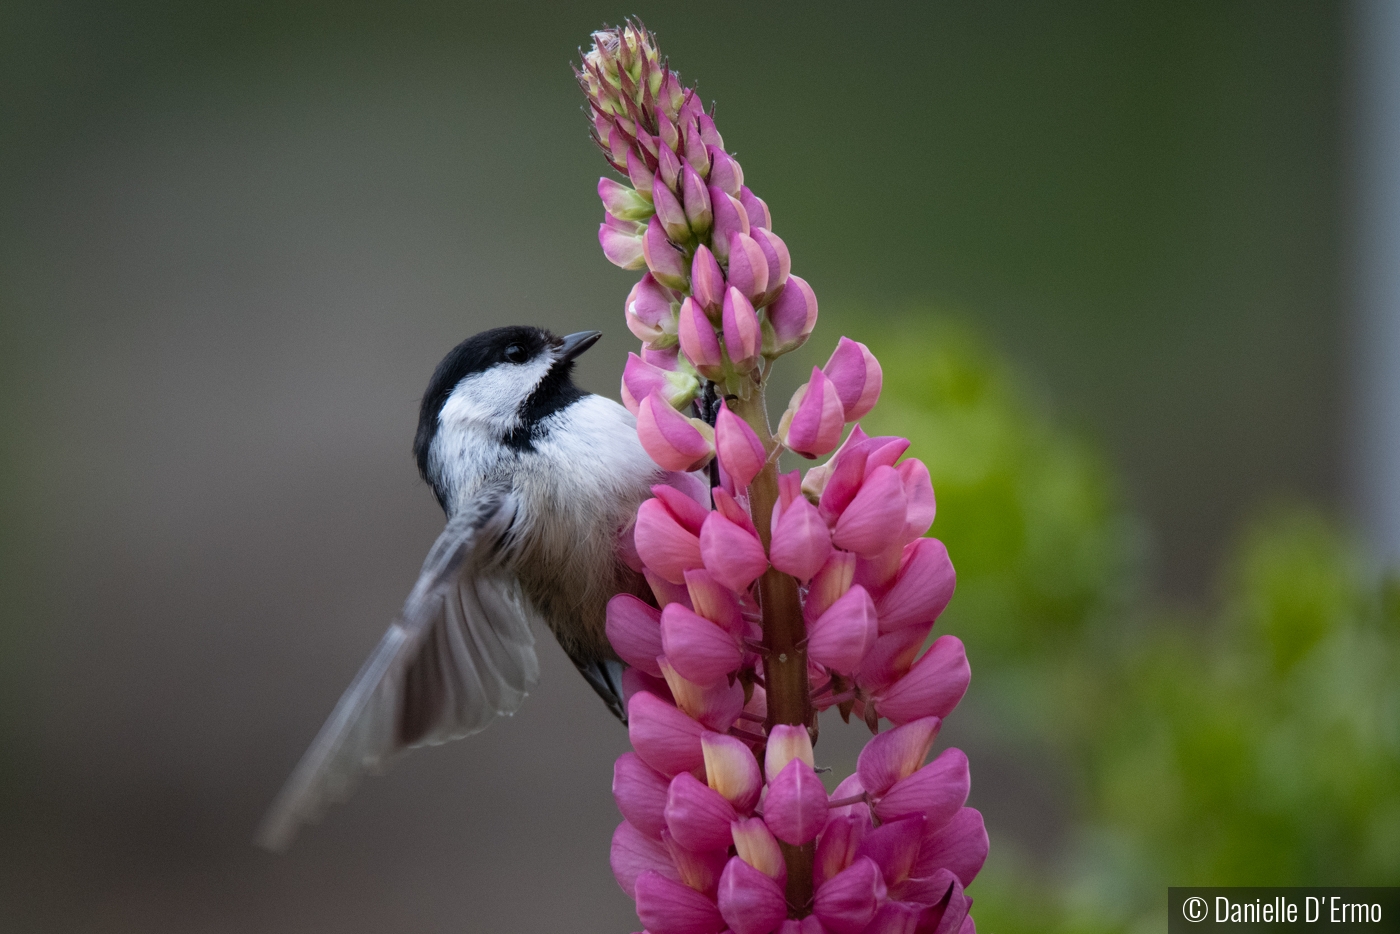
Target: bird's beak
(575, 344)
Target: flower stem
(784, 635)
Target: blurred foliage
(1255, 743)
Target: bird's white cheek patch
(492, 399)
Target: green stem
(784, 635)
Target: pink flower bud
(697, 816)
(641, 379)
(740, 452)
(714, 601)
(668, 358)
(748, 266)
(750, 901)
(758, 210)
(696, 199)
(623, 202)
(791, 318)
(848, 900)
(664, 737)
(732, 553)
(732, 771)
(874, 520)
(775, 253)
(651, 312)
(830, 583)
(666, 131)
(933, 686)
(843, 634)
(707, 282)
(730, 218)
(795, 809)
(634, 631)
(674, 441)
(671, 214)
(695, 152)
(641, 177)
(785, 743)
(894, 755)
(757, 846)
(698, 340)
(725, 172)
(634, 853)
(668, 168)
(662, 258)
(640, 793)
(812, 424)
(856, 373)
(665, 546)
(923, 588)
(666, 906)
(742, 337)
(937, 791)
(620, 146)
(700, 650)
(670, 95)
(708, 133)
(622, 243)
(801, 541)
(960, 846)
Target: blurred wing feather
(460, 654)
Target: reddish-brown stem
(784, 636)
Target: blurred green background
(1100, 248)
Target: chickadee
(537, 478)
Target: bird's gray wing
(460, 654)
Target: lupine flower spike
(773, 597)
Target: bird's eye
(516, 354)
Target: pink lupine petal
(666, 592)
(699, 869)
(634, 853)
(856, 374)
(671, 439)
(695, 155)
(622, 247)
(668, 168)
(748, 268)
(698, 340)
(731, 770)
(877, 572)
(641, 177)
(634, 631)
(845, 472)
(759, 216)
(715, 706)
(640, 379)
(750, 901)
(895, 918)
(730, 218)
(650, 311)
(959, 845)
(697, 816)
(937, 791)
(795, 808)
(708, 133)
(731, 552)
(842, 635)
(695, 198)
(726, 505)
(743, 338)
(894, 846)
(849, 899)
(627, 547)
(891, 657)
(933, 686)
(671, 214)
(725, 172)
(884, 451)
(775, 252)
(801, 542)
(875, 518)
(664, 737)
(740, 452)
(714, 601)
(790, 319)
(757, 846)
(947, 904)
(785, 743)
(665, 356)
(699, 649)
(707, 282)
(757, 706)
(807, 925)
(923, 588)
(689, 512)
(837, 846)
(830, 583)
(623, 201)
(664, 544)
(896, 754)
(640, 793)
(918, 492)
(666, 262)
(814, 419)
(667, 906)
(635, 681)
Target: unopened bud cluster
(717, 796)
